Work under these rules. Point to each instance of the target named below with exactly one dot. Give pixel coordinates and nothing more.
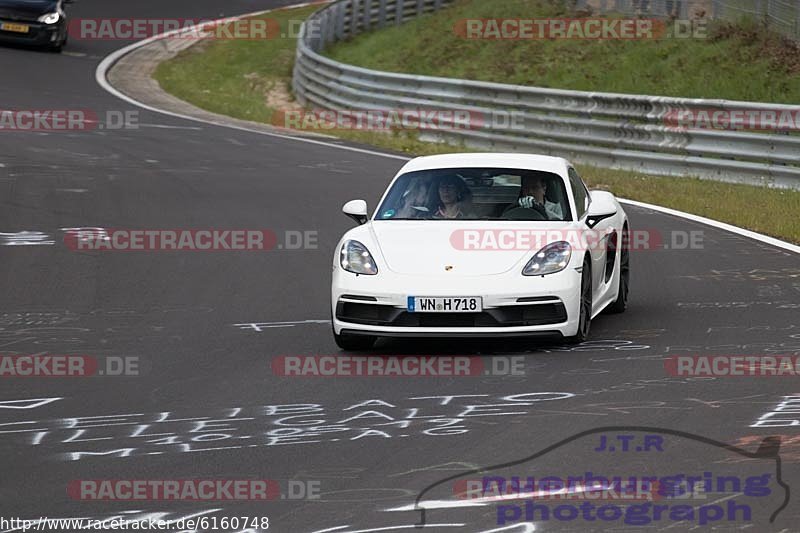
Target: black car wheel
(59, 45)
(585, 307)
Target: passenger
(454, 198)
(415, 200)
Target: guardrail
(630, 132)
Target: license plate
(420, 304)
(19, 28)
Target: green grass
(770, 211)
(232, 77)
(236, 77)
(737, 62)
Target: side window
(580, 193)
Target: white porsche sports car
(488, 245)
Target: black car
(34, 22)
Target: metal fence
(783, 16)
(630, 132)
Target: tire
(585, 306)
(354, 342)
(621, 303)
(57, 47)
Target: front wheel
(57, 46)
(585, 307)
(354, 342)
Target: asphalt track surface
(177, 311)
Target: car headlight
(50, 18)
(356, 258)
(552, 258)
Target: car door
(596, 247)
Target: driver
(532, 195)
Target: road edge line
(766, 239)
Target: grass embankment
(733, 61)
(251, 79)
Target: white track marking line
(719, 225)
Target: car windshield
(476, 194)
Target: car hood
(26, 9)
(440, 248)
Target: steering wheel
(524, 213)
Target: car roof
(546, 163)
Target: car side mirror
(357, 210)
(603, 206)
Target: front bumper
(38, 34)
(513, 305)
